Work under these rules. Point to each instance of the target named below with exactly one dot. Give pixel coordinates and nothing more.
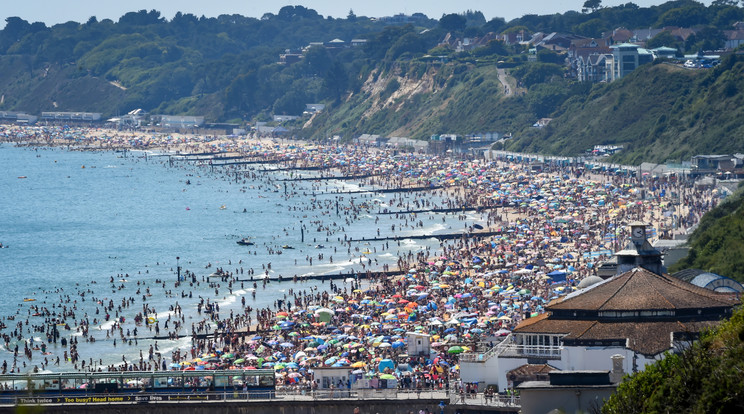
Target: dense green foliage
(404, 81)
(718, 242)
(707, 377)
(222, 67)
(658, 113)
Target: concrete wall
(392, 406)
(567, 400)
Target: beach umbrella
(386, 363)
(455, 350)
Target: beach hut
(418, 343)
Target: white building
(638, 315)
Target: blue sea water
(79, 218)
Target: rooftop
(640, 289)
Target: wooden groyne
(329, 177)
(441, 210)
(334, 276)
(444, 236)
(249, 162)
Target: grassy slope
(450, 99)
(659, 112)
(717, 244)
(34, 90)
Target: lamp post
(178, 268)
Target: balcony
(509, 349)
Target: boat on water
(245, 242)
(286, 246)
(319, 246)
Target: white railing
(508, 348)
(516, 350)
(485, 356)
(496, 400)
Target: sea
(72, 221)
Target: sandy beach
(553, 228)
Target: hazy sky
(59, 11)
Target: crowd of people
(544, 230)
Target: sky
(53, 12)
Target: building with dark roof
(639, 310)
(639, 315)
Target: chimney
(617, 373)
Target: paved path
(502, 78)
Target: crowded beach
(542, 233)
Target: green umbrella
(239, 361)
(455, 350)
(387, 376)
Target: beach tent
(557, 276)
(324, 315)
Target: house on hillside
(558, 42)
(589, 59)
(619, 35)
(733, 38)
(633, 317)
(285, 118)
(335, 44)
(664, 52)
(626, 57)
(312, 108)
(644, 35)
(290, 56)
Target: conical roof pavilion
(639, 309)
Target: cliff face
(54, 88)
(417, 101)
